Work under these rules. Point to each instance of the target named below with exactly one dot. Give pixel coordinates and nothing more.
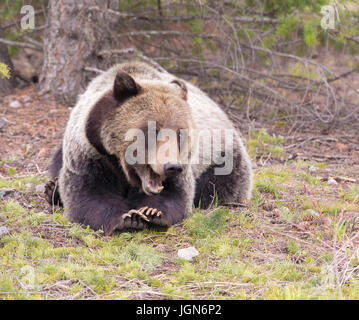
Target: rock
(15, 104)
(52, 111)
(26, 99)
(332, 181)
(40, 188)
(4, 231)
(5, 192)
(254, 165)
(313, 169)
(188, 253)
(3, 122)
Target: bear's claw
(143, 213)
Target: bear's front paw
(51, 193)
(144, 213)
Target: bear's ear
(124, 86)
(183, 88)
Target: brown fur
(153, 103)
(97, 186)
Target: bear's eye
(181, 135)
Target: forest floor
(297, 239)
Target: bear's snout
(172, 168)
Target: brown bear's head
(145, 126)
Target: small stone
(332, 181)
(52, 111)
(5, 192)
(188, 253)
(313, 169)
(15, 104)
(2, 123)
(40, 188)
(26, 99)
(254, 165)
(4, 231)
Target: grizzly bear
(96, 173)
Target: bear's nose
(172, 168)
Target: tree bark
(75, 36)
(6, 85)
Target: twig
(91, 69)
(21, 44)
(33, 41)
(168, 33)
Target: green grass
(260, 143)
(20, 183)
(256, 252)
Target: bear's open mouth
(151, 182)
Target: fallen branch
(168, 33)
(339, 179)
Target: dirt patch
(58, 236)
(31, 131)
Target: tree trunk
(6, 85)
(74, 38)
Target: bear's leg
(52, 194)
(162, 210)
(56, 163)
(97, 202)
(232, 188)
